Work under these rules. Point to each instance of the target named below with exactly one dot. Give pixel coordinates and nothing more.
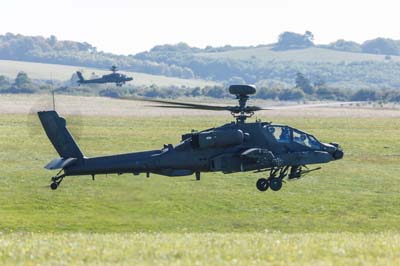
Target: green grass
(360, 193)
(313, 54)
(346, 214)
(200, 249)
(64, 72)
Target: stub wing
(60, 163)
(259, 155)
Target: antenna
(54, 100)
(52, 91)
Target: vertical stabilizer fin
(57, 132)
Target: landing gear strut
(56, 180)
(277, 174)
(275, 179)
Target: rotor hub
(242, 92)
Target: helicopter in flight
(114, 77)
(278, 151)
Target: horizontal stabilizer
(60, 163)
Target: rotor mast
(242, 92)
(114, 69)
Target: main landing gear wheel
(262, 184)
(275, 184)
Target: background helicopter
(279, 151)
(114, 77)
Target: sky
(132, 26)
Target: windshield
(285, 134)
(281, 133)
(305, 139)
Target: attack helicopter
(114, 77)
(278, 151)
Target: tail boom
(80, 76)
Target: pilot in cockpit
(285, 135)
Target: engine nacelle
(217, 139)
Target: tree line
(304, 89)
(384, 46)
(184, 61)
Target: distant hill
(56, 72)
(374, 64)
(264, 64)
(51, 50)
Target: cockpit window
(299, 137)
(305, 139)
(313, 142)
(285, 134)
(281, 133)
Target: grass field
(63, 73)
(200, 249)
(347, 213)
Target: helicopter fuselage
(116, 78)
(234, 147)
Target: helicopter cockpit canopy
(285, 134)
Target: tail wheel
(54, 185)
(262, 184)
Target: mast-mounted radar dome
(242, 89)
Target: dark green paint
(234, 147)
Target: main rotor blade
(181, 105)
(234, 109)
(312, 105)
(188, 107)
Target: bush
(291, 40)
(381, 46)
(346, 46)
(267, 93)
(291, 94)
(16, 90)
(109, 93)
(364, 95)
(215, 92)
